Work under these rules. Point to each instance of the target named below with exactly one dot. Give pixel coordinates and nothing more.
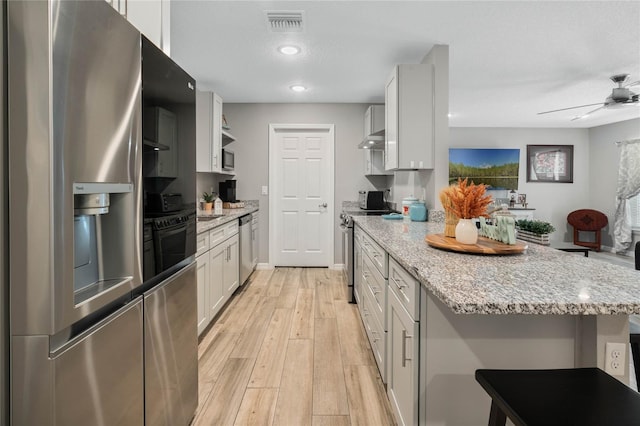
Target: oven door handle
(166, 232)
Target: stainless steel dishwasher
(246, 265)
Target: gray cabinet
(403, 344)
(210, 137)
(374, 163)
(218, 272)
(357, 263)
(409, 117)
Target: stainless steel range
(346, 226)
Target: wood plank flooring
(289, 350)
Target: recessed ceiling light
(298, 88)
(449, 115)
(371, 142)
(289, 50)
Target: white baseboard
(337, 267)
(263, 266)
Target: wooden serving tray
(483, 246)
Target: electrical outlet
(614, 358)
(265, 190)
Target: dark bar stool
(577, 396)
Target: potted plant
(535, 231)
(208, 201)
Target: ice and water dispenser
(101, 212)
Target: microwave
(227, 159)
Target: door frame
(324, 128)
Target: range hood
(373, 141)
(373, 128)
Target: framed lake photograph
(550, 163)
(496, 168)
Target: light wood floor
(290, 350)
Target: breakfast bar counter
(541, 309)
(540, 281)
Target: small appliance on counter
(372, 200)
(228, 191)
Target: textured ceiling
(508, 59)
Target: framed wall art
(496, 168)
(550, 163)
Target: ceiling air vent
(285, 21)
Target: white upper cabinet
(374, 163)
(409, 117)
(150, 17)
(210, 137)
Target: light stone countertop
(540, 281)
(228, 216)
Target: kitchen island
(541, 309)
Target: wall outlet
(614, 358)
(265, 190)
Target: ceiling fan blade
(564, 109)
(587, 114)
(635, 83)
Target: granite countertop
(540, 281)
(228, 216)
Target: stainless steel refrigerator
(81, 316)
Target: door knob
(323, 205)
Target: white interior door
(301, 180)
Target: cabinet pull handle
(375, 290)
(396, 281)
(405, 336)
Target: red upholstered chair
(586, 220)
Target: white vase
(466, 232)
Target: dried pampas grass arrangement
(463, 201)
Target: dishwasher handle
(245, 219)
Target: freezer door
(171, 350)
(94, 379)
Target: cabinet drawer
(378, 256)
(222, 232)
(202, 243)
(405, 287)
(377, 336)
(376, 288)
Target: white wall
(552, 201)
(603, 164)
(250, 125)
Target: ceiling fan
(619, 96)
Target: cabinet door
(391, 121)
(146, 16)
(231, 271)
(402, 366)
(167, 135)
(203, 274)
(217, 260)
(357, 270)
(216, 133)
(204, 116)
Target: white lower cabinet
(370, 286)
(357, 263)
(218, 270)
(231, 268)
(217, 259)
(203, 274)
(403, 345)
